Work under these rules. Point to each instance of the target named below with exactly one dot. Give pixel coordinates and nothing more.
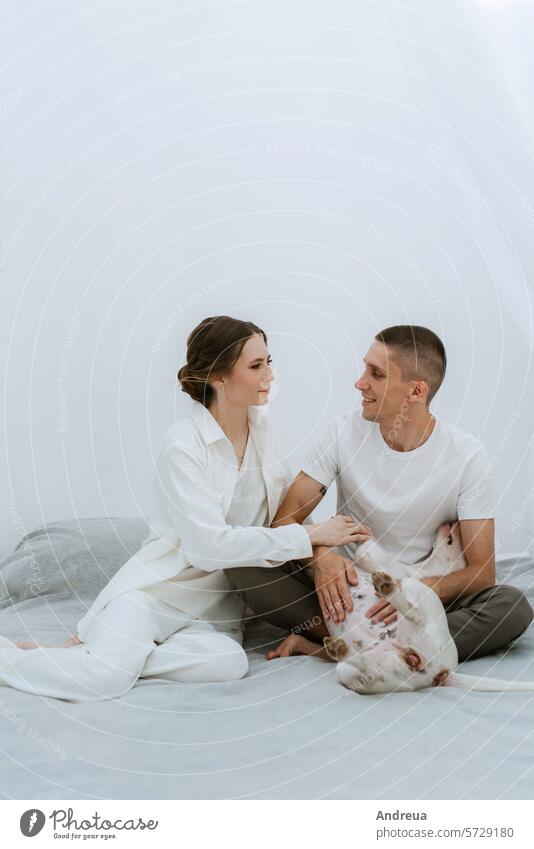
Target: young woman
(169, 613)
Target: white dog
(417, 650)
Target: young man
(400, 473)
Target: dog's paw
(336, 649)
(440, 678)
(383, 583)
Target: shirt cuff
(300, 542)
(318, 474)
(477, 515)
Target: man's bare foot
(31, 644)
(296, 644)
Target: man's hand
(332, 575)
(383, 611)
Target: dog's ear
(336, 649)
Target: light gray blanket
(288, 730)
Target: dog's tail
(489, 685)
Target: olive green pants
(480, 623)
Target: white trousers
(120, 647)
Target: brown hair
(213, 348)
(419, 353)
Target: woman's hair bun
(212, 349)
(196, 387)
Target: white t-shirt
(249, 501)
(403, 496)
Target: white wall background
(322, 168)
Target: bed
(286, 731)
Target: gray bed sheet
(286, 731)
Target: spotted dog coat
(416, 650)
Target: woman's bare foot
(296, 644)
(31, 644)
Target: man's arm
(478, 543)
(300, 500)
(332, 573)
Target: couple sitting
(224, 537)
(403, 473)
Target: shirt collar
(212, 431)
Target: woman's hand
(340, 530)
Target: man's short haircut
(419, 353)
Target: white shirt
(403, 496)
(248, 507)
(190, 539)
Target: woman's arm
(209, 543)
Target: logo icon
(31, 822)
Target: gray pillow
(69, 559)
